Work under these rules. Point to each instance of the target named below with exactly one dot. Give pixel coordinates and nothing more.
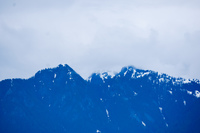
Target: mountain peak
(64, 72)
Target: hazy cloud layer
(97, 35)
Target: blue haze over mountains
(59, 100)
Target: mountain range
(59, 100)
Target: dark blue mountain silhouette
(59, 100)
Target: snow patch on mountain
(133, 74)
(125, 73)
(143, 123)
(170, 92)
(189, 92)
(98, 131)
(186, 81)
(111, 73)
(103, 75)
(143, 74)
(184, 102)
(160, 108)
(89, 79)
(107, 113)
(197, 94)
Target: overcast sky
(99, 35)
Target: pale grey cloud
(99, 35)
